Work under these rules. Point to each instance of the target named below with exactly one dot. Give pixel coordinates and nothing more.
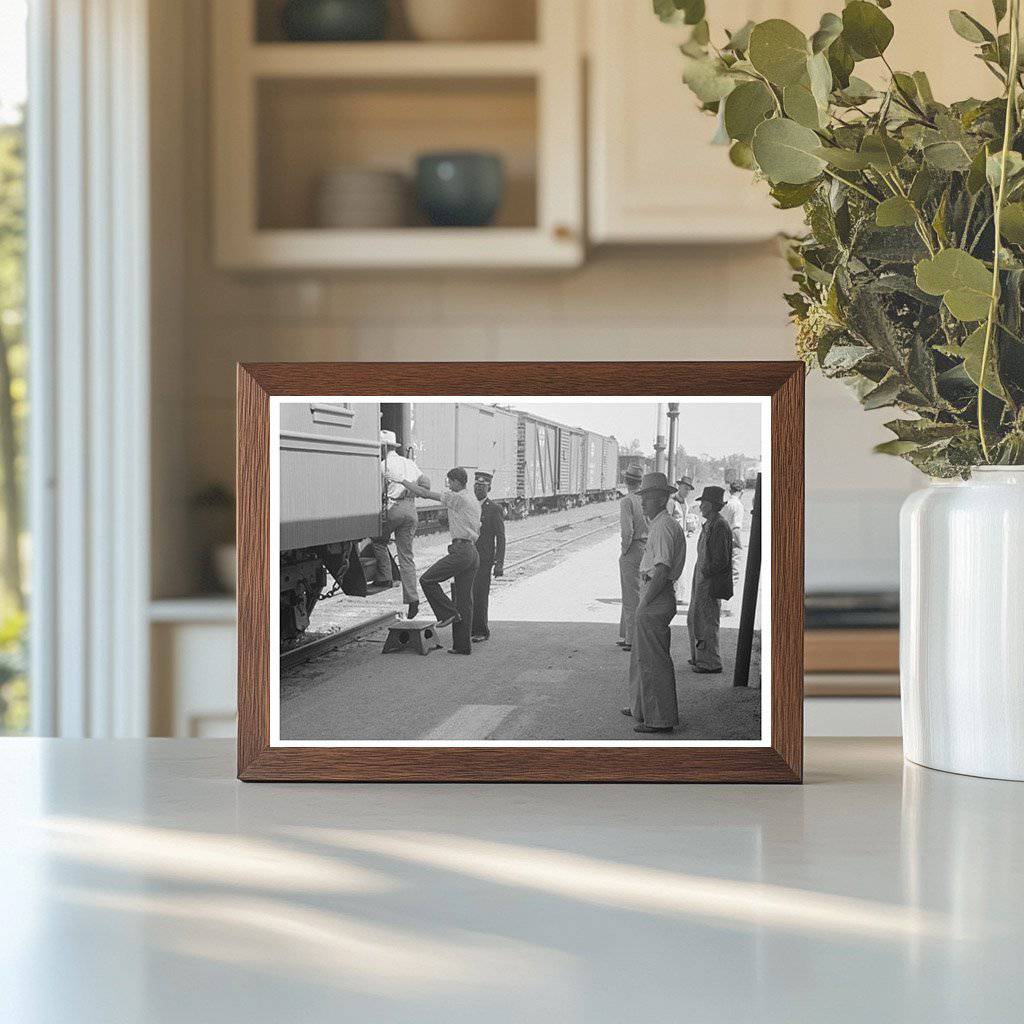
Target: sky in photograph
(704, 429)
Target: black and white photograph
(522, 571)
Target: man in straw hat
(633, 530)
(712, 582)
(651, 672)
(400, 521)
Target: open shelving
(286, 113)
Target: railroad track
(607, 521)
(303, 652)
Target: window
(14, 692)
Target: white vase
(962, 624)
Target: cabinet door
(654, 177)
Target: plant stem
(1011, 108)
(853, 185)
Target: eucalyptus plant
(910, 277)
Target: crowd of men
(654, 525)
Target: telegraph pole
(659, 441)
(673, 440)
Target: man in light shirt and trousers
(652, 675)
(400, 520)
(459, 565)
(712, 583)
(633, 532)
(734, 514)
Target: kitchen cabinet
(288, 114)
(653, 175)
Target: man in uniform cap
(490, 546)
(400, 520)
(651, 672)
(712, 582)
(633, 534)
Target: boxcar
(610, 472)
(537, 461)
(330, 495)
(443, 435)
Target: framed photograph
(558, 572)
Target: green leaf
(801, 106)
(741, 155)
(866, 29)
(829, 30)
(739, 41)
(840, 61)
(883, 152)
(895, 447)
(1012, 223)
(844, 159)
(788, 197)
(819, 74)
(976, 173)
(895, 212)
(779, 51)
(971, 351)
(690, 12)
(924, 88)
(885, 394)
(787, 151)
(745, 108)
(923, 431)
(963, 281)
(947, 156)
(993, 167)
(707, 78)
(969, 28)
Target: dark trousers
(459, 566)
(481, 598)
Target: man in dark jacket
(490, 546)
(712, 582)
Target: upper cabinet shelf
(393, 60)
(315, 145)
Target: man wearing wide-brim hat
(633, 538)
(652, 675)
(712, 583)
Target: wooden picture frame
(780, 760)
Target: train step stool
(412, 635)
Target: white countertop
(140, 882)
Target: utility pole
(673, 440)
(659, 441)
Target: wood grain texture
(781, 762)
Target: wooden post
(745, 641)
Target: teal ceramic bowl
(334, 21)
(460, 189)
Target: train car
(610, 471)
(330, 496)
(445, 434)
(537, 462)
